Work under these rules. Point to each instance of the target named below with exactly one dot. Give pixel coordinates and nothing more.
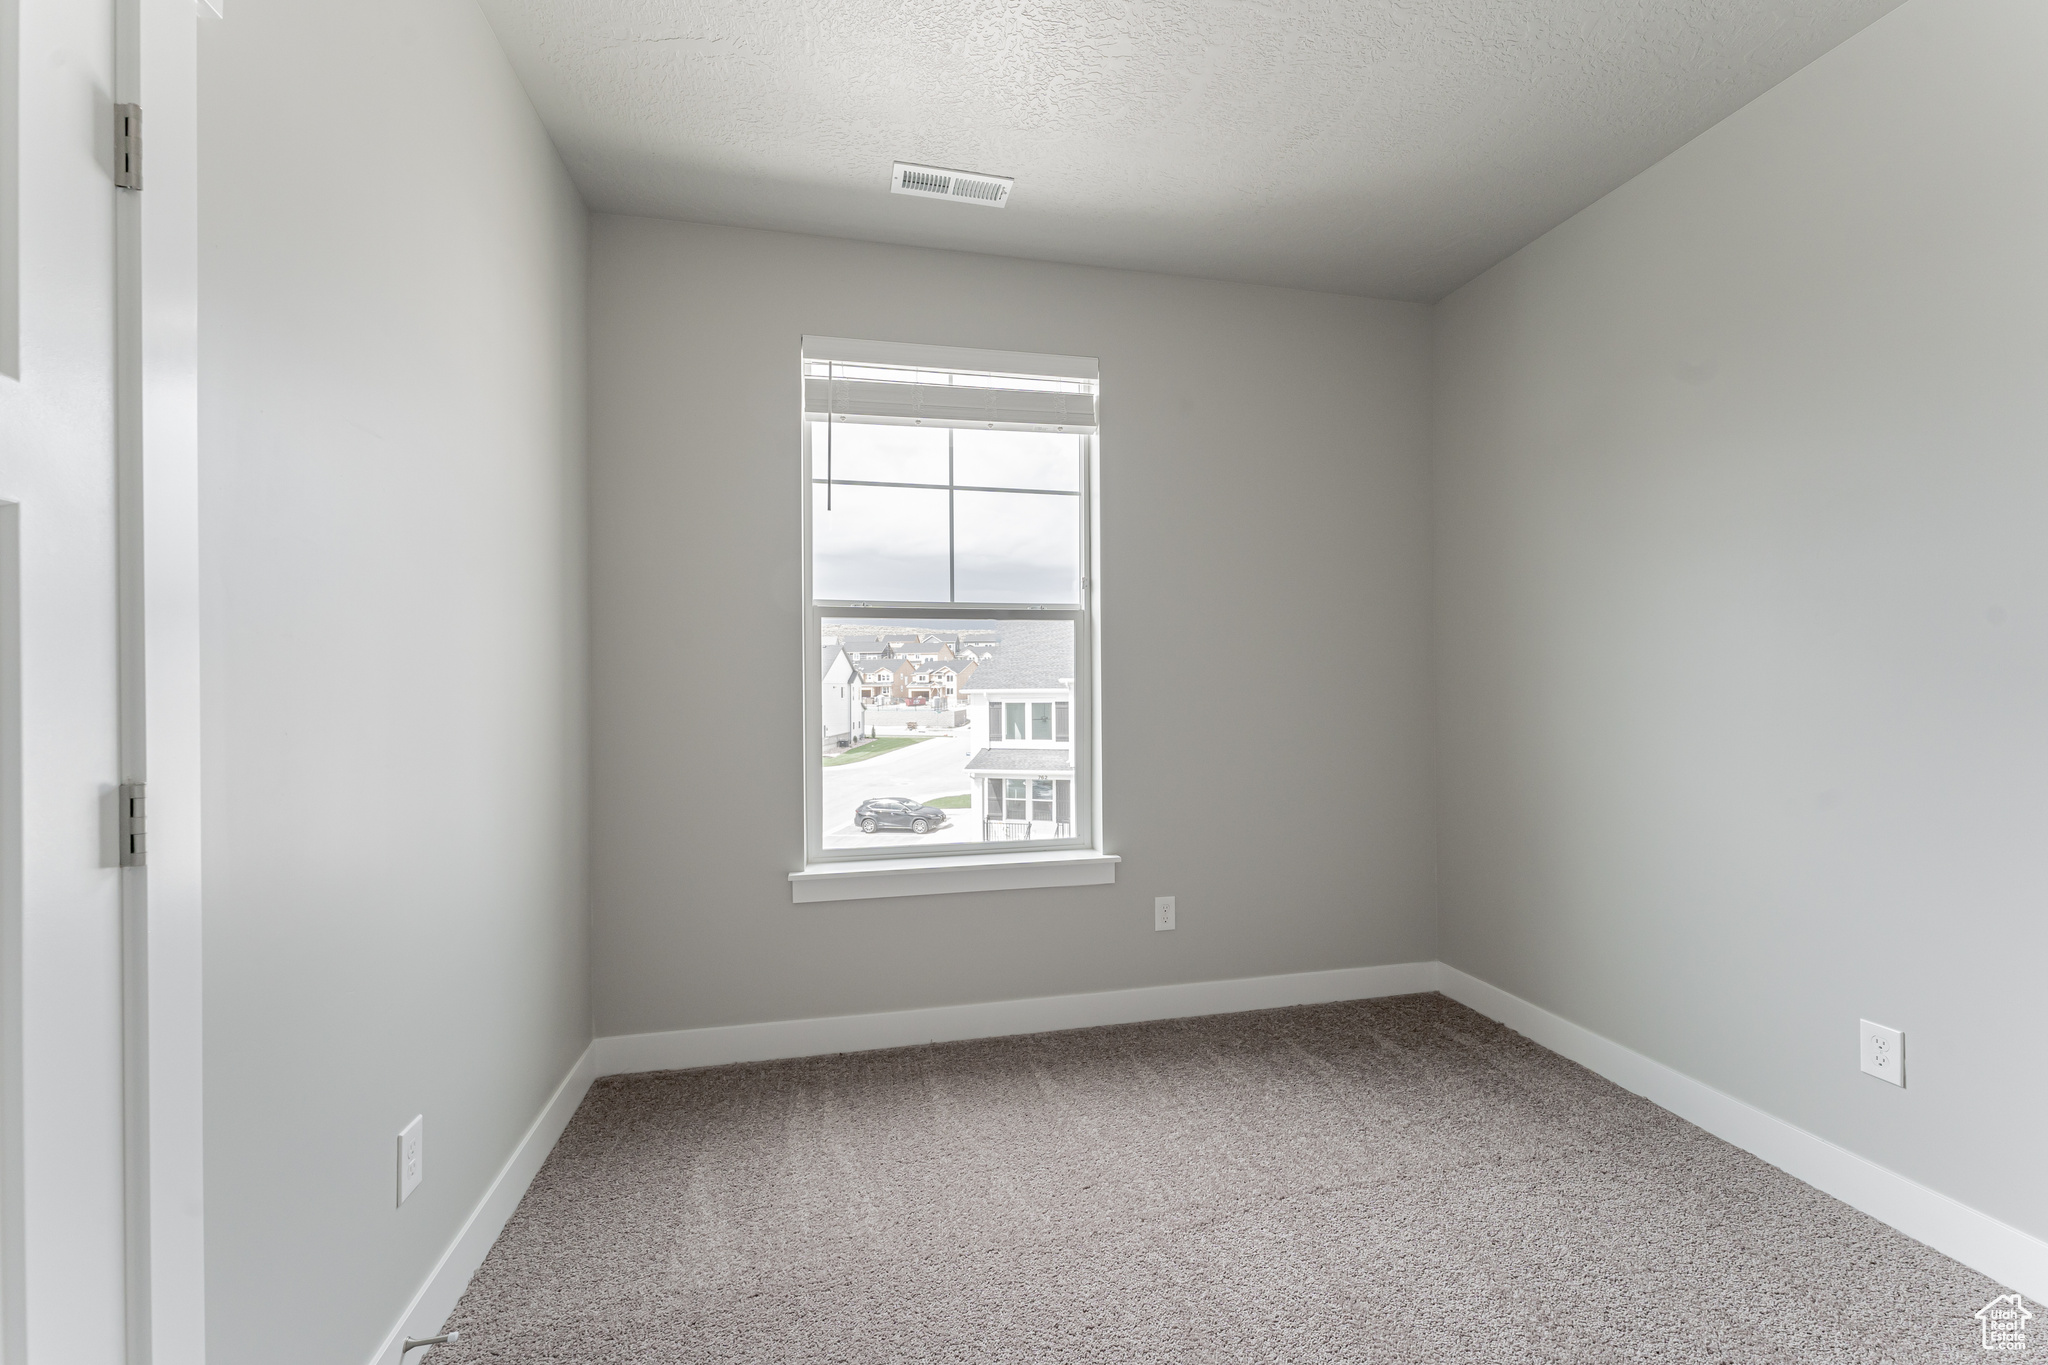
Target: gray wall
(392, 273)
(1263, 478)
(1742, 530)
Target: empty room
(1177, 681)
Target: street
(920, 772)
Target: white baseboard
(949, 1023)
(2015, 1259)
(437, 1297)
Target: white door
(100, 1257)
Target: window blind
(894, 383)
(911, 402)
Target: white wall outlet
(1884, 1052)
(412, 1156)
(1162, 912)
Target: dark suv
(897, 812)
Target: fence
(1002, 831)
(918, 717)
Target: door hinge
(134, 826)
(128, 146)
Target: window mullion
(952, 570)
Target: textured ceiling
(1393, 148)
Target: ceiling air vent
(936, 182)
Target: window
(948, 516)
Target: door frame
(157, 463)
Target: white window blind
(880, 382)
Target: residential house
(938, 682)
(1020, 714)
(859, 647)
(924, 651)
(884, 680)
(840, 695)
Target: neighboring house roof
(863, 644)
(1022, 761)
(828, 656)
(1035, 654)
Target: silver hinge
(134, 826)
(128, 146)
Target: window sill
(941, 876)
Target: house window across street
(947, 548)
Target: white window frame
(856, 874)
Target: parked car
(897, 812)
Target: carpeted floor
(1394, 1180)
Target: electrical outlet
(1884, 1052)
(1162, 912)
(412, 1156)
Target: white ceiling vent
(935, 182)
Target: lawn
(874, 748)
(960, 802)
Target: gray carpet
(1392, 1180)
